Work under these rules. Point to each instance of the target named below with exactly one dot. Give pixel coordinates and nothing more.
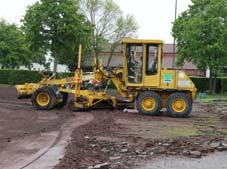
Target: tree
(110, 25)
(56, 27)
(201, 33)
(14, 50)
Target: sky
(154, 17)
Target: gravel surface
(212, 161)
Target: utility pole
(174, 40)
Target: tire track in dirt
(19, 119)
(15, 103)
(8, 108)
(22, 129)
(63, 137)
(42, 154)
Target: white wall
(208, 73)
(38, 67)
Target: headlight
(181, 75)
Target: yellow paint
(153, 81)
(78, 74)
(163, 81)
(43, 99)
(26, 89)
(179, 105)
(79, 57)
(140, 41)
(148, 103)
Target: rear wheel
(148, 103)
(179, 105)
(43, 98)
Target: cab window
(134, 54)
(151, 59)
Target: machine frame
(167, 88)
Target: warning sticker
(167, 78)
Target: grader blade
(26, 90)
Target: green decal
(167, 78)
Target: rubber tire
(188, 101)
(65, 97)
(157, 98)
(50, 92)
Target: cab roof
(141, 41)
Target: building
(38, 67)
(116, 61)
(188, 67)
(167, 60)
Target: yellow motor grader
(141, 80)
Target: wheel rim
(43, 99)
(148, 103)
(179, 105)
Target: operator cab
(142, 59)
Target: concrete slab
(212, 161)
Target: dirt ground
(125, 139)
(19, 119)
(112, 138)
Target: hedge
(224, 84)
(202, 84)
(13, 77)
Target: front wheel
(179, 105)
(148, 103)
(43, 98)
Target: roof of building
(168, 48)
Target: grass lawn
(210, 98)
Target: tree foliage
(56, 27)
(14, 50)
(110, 25)
(201, 33)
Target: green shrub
(202, 84)
(4, 74)
(64, 75)
(13, 77)
(223, 84)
